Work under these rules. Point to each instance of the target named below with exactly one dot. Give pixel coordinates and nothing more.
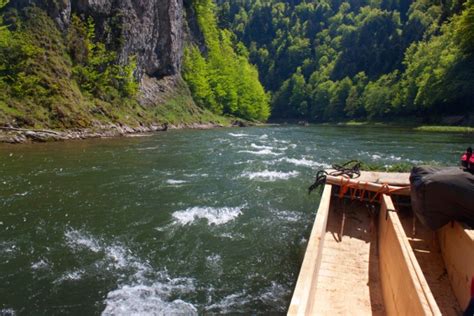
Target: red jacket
(467, 161)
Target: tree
(416, 57)
(464, 28)
(223, 81)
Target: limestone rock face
(59, 10)
(151, 30)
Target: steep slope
(97, 63)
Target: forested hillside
(356, 59)
(67, 65)
(219, 75)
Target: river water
(190, 222)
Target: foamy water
(268, 175)
(175, 182)
(148, 148)
(275, 295)
(286, 216)
(238, 134)
(376, 156)
(155, 299)
(261, 152)
(216, 216)
(230, 303)
(77, 240)
(41, 264)
(196, 175)
(138, 295)
(116, 256)
(70, 276)
(305, 162)
(261, 146)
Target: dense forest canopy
(221, 78)
(355, 59)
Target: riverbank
(445, 129)
(414, 126)
(448, 125)
(14, 135)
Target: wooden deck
(349, 282)
(457, 247)
(404, 286)
(428, 254)
(368, 269)
(339, 276)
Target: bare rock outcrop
(153, 31)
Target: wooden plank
(301, 302)
(404, 288)
(369, 186)
(349, 278)
(430, 260)
(392, 178)
(457, 247)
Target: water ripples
(182, 222)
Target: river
(189, 222)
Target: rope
(320, 179)
(350, 169)
(384, 189)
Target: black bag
(439, 195)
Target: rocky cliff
(151, 30)
(42, 85)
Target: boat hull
(346, 249)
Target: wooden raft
(339, 277)
(376, 267)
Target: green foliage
(64, 79)
(438, 76)
(445, 129)
(396, 167)
(53, 80)
(18, 55)
(223, 82)
(340, 60)
(33, 71)
(197, 76)
(465, 28)
(180, 108)
(96, 69)
(379, 95)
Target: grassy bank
(414, 125)
(445, 129)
